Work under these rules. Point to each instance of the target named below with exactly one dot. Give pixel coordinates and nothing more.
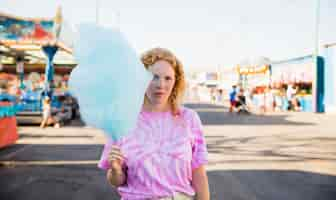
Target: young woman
(164, 156)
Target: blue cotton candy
(109, 82)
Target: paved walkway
(274, 156)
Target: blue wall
(330, 75)
(320, 85)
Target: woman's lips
(159, 94)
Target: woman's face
(162, 84)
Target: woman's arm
(200, 183)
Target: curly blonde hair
(153, 55)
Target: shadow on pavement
(59, 174)
(76, 123)
(219, 115)
(73, 182)
(23, 135)
(270, 184)
(73, 123)
(51, 152)
(86, 182)
(55, 173)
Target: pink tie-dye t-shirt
(160, 153)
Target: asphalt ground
(273, 156)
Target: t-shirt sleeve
(199, 149)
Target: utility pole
(315, 88)
(317, 25)
(97, 12)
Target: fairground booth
(254, 77)
(35, 61)
(255, 82)
(304, 76)
(294, 84)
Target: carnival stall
(34, 50)
(254, 80)
(300, 83)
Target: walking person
(233, 97)
(46, 113)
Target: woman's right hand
(116, 158)
(115, 175)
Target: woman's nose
(160, 83)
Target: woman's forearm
(200, 184)
(116, 177)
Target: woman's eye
(156, 77)
(168, 78)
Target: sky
(207, 34)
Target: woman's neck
(156, 108)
